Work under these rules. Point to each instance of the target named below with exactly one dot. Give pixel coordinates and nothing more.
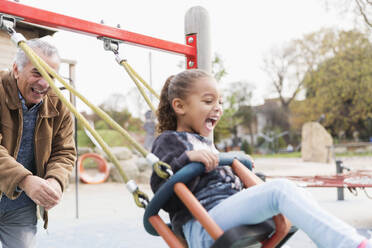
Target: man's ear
(178, 106)
(15, 71)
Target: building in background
(7, 47)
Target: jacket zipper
(20, 131)
(38, 169)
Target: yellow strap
(97, 110)
(158, 170)
(143, 81)
(38, 63)
(147, 99)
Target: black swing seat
(249, 236)
(240, 236)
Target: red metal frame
(54, 20)
(191, 61)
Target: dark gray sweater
(210, 188)
(25, 155)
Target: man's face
(31, 84)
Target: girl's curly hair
(178, 86)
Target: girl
(189, 109)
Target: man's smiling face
(31, 84)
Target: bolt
(190, 40)
(191, 63)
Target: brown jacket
(54, 144)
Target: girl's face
(202, 108)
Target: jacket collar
(47, 108)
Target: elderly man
(37, 149)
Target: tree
(340, 87)
(218, 68)
(237, 110)
(222, 129)
(284, 70)
(115, 107)
(362, 9)
(247, 117)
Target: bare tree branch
(362, 11)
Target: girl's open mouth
(210, 122)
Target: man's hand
(43, 192)
(209, 159)
(55, 185)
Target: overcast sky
(242, 32)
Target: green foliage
(111, 137)
(272, 140)
(120, 116)
(341, 86)
(135, 125)
(83, 140)
(101, 124)
(218, 68)
(222, 130)
(279, 155)
(246, 147)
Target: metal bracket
(110, 44)
(8, 22)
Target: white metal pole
(197, 22)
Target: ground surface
(108, 216)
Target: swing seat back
(241, 236)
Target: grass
(111, 137)
(354, 154)
(278, 155)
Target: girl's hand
(209, 159)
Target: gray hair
(21, 59)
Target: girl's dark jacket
(210, 188)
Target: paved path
(108, 216)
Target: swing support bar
(55, 20)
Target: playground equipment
(98, 177)
(351, 180)
(197, 54)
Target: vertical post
(73, 100)
(150, 73)
(72, 76)
(197, 32)
(197, 29)
(340, 190)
